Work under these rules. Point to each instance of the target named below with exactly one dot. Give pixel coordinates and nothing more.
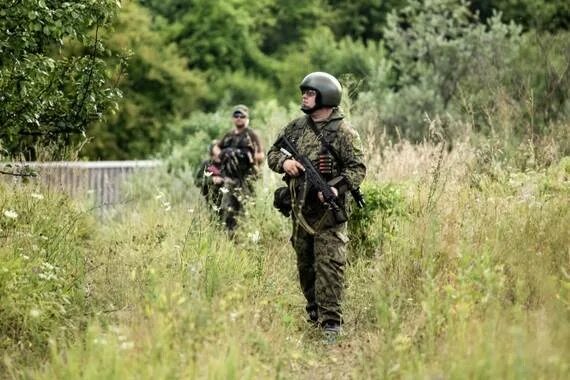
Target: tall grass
(472, 280)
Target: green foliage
(214, 35)
(191, 137)
(48, 97)
(239, 87)
(362, 19)
(551, 15)
(480, 278)
(44, 258)
(404, 59)
(435, 47)
(372, 227)
(158, 88)
(477, 287)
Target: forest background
(136, 79)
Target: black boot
(331, 331)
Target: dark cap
(240, 108)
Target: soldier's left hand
(320, 194)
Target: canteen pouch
(282, 200)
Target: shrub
(377, 222)
(44, 259)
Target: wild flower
(100, 341)
(402, 343)
(34, 313)
(254, 236)
(224, 190)
(11, 214)
(47, 276)
(126, 345)
(37, 196)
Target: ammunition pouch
(282, 200)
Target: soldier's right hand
(293, 167)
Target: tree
(438, 46)
(362, 19)
(158, 88)
(49, 99)
(549, 15)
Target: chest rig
(238, 141)
(322, 154)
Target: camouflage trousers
(321, 259)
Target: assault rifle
(314, 178)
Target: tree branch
(18, 174)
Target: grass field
(464, 273)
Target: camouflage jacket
(341, 136)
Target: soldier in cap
(241, 153)
(319, 240)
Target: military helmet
(326, 85)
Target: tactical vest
(329, 133)
(239, 141)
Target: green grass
(472, 281)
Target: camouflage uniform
(321, 257)
(239, 180)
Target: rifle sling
(324, 141)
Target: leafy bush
(157, 85)
(375, 224)
(48, 97)
(435, 47)
(190, 138)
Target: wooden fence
(100, 181)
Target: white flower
(34, 313)
(126, 345)
(254, 237)
(37, 196)
(167, 206)
(224, 190)
(100, 341)
(10, 214)
(160, 195)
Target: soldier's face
(240, 120)
(308, 99)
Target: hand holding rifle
(297, 163)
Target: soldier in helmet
(324, 136)
(241, 152)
